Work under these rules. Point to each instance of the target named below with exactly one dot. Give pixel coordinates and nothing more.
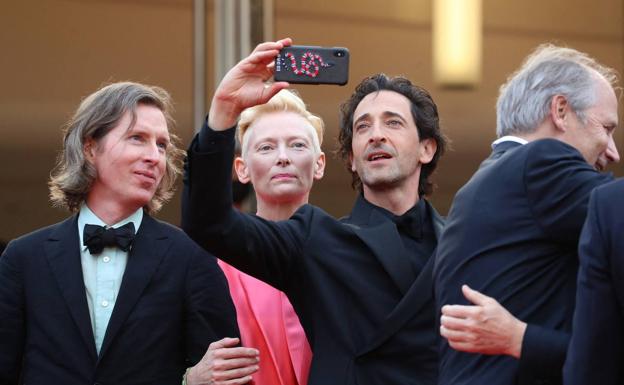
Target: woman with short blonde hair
(281, 157)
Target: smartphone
(312, 65)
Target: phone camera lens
(339, 53)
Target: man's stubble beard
(382, 178)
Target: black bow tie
(96, 238)
(408, 225)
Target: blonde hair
(72, 177)
(283, 101)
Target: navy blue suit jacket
(368, 320)
(512, 234)
(596, 352)
(173, 301)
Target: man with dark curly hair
(396, 92)
(361, 286)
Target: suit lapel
(379, 233)
(148, 249)
(62, 251)
(385, 242)
(419, 294)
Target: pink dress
(268, 322)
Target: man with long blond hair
(111, 295)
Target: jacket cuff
(208, 140)
(543, 352)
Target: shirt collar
(88, 217)
(509, 138)
(416, 215)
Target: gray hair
(72, 177)
(524, 100)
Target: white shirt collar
(509, 138)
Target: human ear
(559, 109)
(241, 170)
(88, 149)
(428, 148)
(319, 166)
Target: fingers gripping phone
(312, 65)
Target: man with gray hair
(513, 229)
(111, 295)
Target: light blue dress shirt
(103, 272)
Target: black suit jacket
(173, 301)
(512, 233)
(596, 350)
(368, 321)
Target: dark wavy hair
(424, 112)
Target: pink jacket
(267, 322)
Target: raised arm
(245, 85)
(258, 247)
(251, 244)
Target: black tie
(96, 238)
(408, 225)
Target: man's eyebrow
(387, 114)
(362, 117)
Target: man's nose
(377, 134)
(152, 153)
(612, 153)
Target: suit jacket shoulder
(558, 181)
(35, 238)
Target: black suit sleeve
(210, 313)
(12, 331)
(263, 249)
(597, 344)
(558, 182)
(543, 353)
